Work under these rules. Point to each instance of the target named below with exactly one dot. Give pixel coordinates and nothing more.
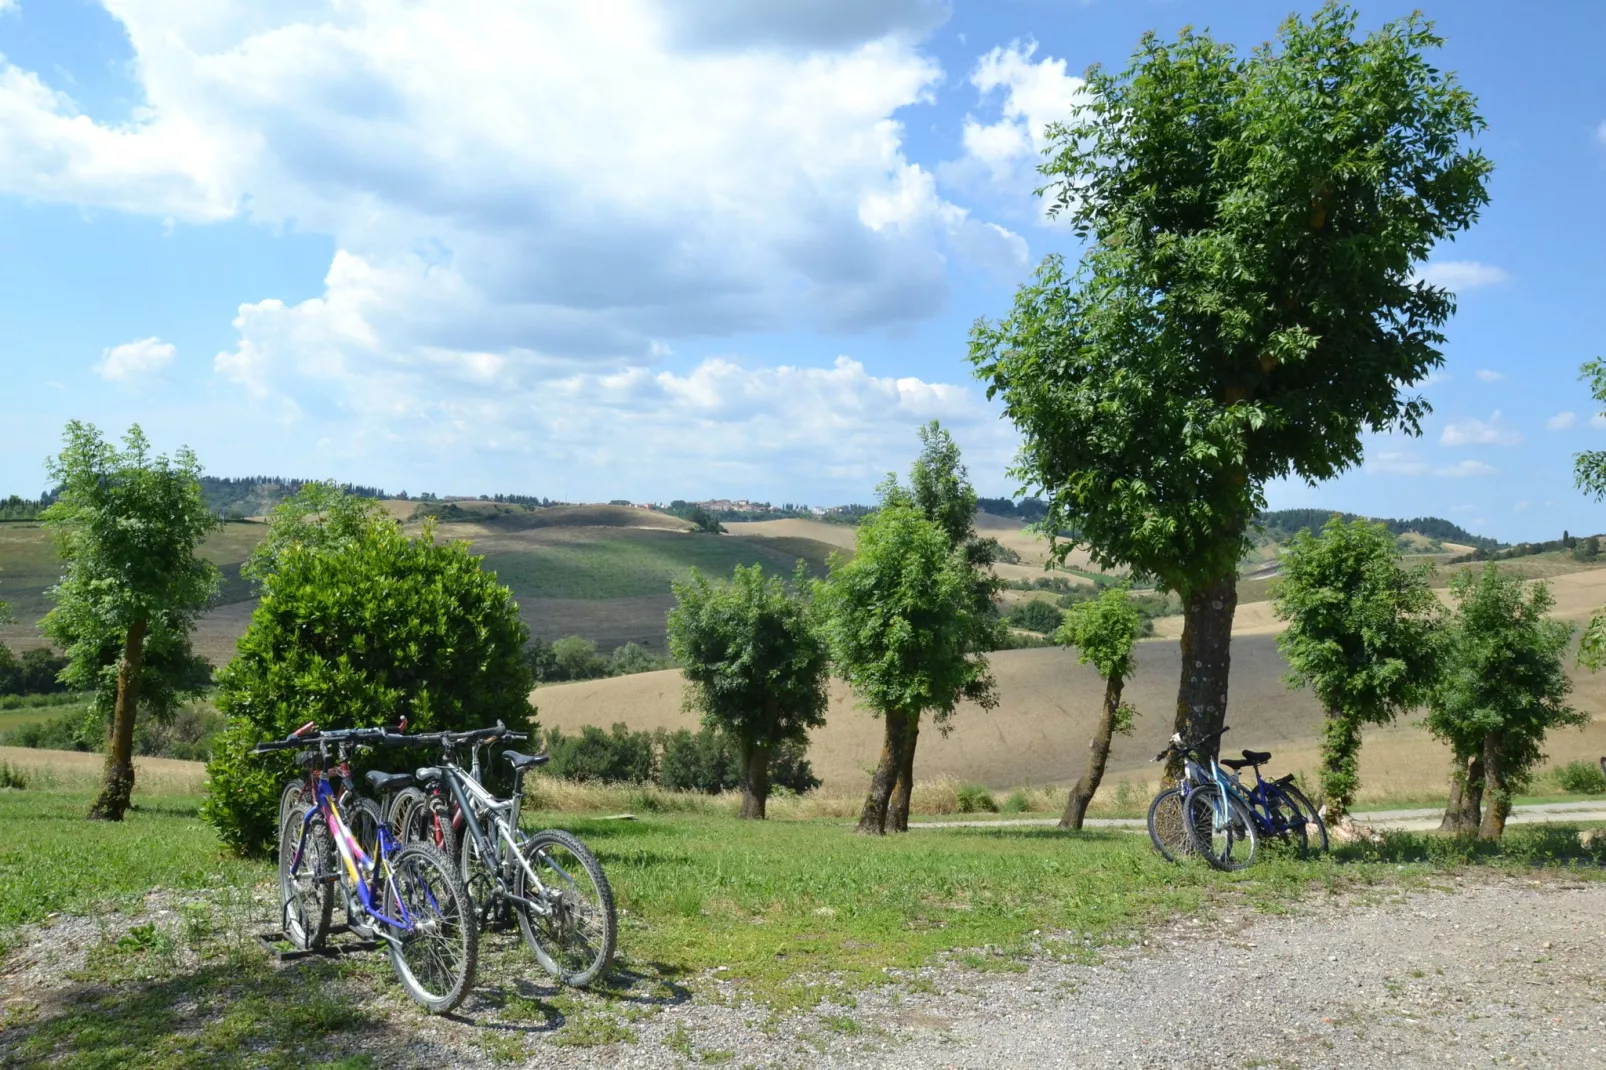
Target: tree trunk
(755, 779)
(1494, 789)
(1206, 660)
(1082, 791)
(903, 790)
(1465, 812)
(873, 820)
(119, 786)
(1341, 748)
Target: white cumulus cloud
(1031, 94)
(1489, 375)
(134, 361)
(1474, 432)
(1460, 275)
(1562, 421)
(1465, 469)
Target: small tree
(358, 625)
(1361, 635)
(939, 487)
(1246, 308)
(905, 630)
(1503, 688)
(127, 526)
(755, 666)
(1103, 632)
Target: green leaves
(1504, 675)
(127, 525)
(1362, 631)
(358, 625)
(1245, 307)
(754, 662)
(1103, 632)
(902, 618)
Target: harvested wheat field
(1048, 703)
(68, 770)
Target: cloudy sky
(655, 249)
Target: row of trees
(1371, 640)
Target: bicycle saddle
(1234, 764)
(383, 782)
(525, 761)
(1257, 757)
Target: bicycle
(407, 896)
(1280, 809)
(549, 880)
(1168, 824)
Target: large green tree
(127, 525)
(1103, 632)
(358, 625)
(1504, 686)
(1247, 304)
(755, 665)
(1361, 635)
(939, 487)
(1589, 469)
(906, 632)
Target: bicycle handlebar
(478, 735)
(1176, 746)
(308, 736)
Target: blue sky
(649, 250)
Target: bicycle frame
(467, 792)
(1195, 775)
(359, 865)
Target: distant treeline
(256, 495)
(1030, 510)
(15, 508)
(1285, 523)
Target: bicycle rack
(328, 950)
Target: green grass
(796, 913)
(47, 707)
(626, 563)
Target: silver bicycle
(548, 880)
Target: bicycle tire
(1168, 832)
(306, 899)
(436, 959)
(1227, 849)
(418, 817)
(576, 941)
(363, 818)
(1283, 823)
(291, 797)
(1312, 815)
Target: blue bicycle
(407, 896)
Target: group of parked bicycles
(1212, 813)
(431, 859)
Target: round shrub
(358, 626)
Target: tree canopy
(755, 665)
(1246, 307)
(1103, 632)
(1362, 634)
(127, 525)
(1504, 684)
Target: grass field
(134, 943)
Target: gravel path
(1509, 973)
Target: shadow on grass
(218, 1014)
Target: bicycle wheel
(574, 939)
(480, 880)
(1231, 847)
(362, 817)
(290, 798)
(1168, 831)
(435, 958)
(416, 817)
(1280, 821)
(306, 895)
(1315, 827)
